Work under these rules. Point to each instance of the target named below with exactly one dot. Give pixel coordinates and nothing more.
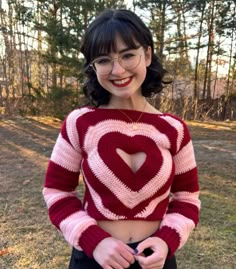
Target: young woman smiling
(141, 186)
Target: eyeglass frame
(112, 61)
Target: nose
(117, 67)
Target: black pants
(79, 260)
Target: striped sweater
(165, 186)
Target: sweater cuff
(171, 237)
(90, 239)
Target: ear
(148, 56)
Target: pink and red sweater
(164, 188)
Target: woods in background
(41, 68)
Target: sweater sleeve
(62, 177)
(182, 214)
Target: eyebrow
(124, 50)
(120, 51)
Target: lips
(121, 82)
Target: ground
(28, 240)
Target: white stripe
(99, 205)
(71, 126)
(179, 128)
(51, 196)
(181, 224)
(152, 205)
(114, 184)
(73, 226)
(65, 155)
(185, 159)
(187, 197)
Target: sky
(223, 69)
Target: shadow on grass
(34, 243)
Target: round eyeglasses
(103, 65)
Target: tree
(158, 21)
(62, 25)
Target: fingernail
(135, 251)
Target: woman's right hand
(112, 253)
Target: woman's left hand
(158, 257)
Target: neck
(130, 103)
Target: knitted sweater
(165, 186)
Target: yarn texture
(164, 187)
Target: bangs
(104, 38)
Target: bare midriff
(130, 231)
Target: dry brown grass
(28, 240)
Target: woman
(138, 165)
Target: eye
(128, 56)
(102, 61)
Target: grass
(28, 240)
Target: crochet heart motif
(101, 144)
(134, 161)
(131, 145)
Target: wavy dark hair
(100, 38)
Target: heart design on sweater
(112, 172)
(134, 161)
(130, 146)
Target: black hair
(100, 38)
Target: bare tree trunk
(38, 72)
(53, 49)
(178, 8)
(185, 43)
(162, 29)
(217, 69)
(159, 13)
(9, 59)
(27, 62)
(228, 90)
(21, 60)
(207, 77)
(196, 82)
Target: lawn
(28, 240)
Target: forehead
(113, 41)
(121, 46)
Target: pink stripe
(187, 197)
(74, 225)
(72, 128)
(51, 196)
(113, 183)
(64, 155)
(99, 204)
(185, 159)
(121, 191)
(179, 128)
(148, 210)
(181, 224)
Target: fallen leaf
(4, 251)
(25, 182)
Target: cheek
(143, 72)
(101, 79)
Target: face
(120, 81)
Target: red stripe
(64, 208)
(190, 211)
(186, 182)
(171, 237)
(60, 178)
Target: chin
(125, 95)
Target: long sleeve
(182, 214)
(65, 208)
